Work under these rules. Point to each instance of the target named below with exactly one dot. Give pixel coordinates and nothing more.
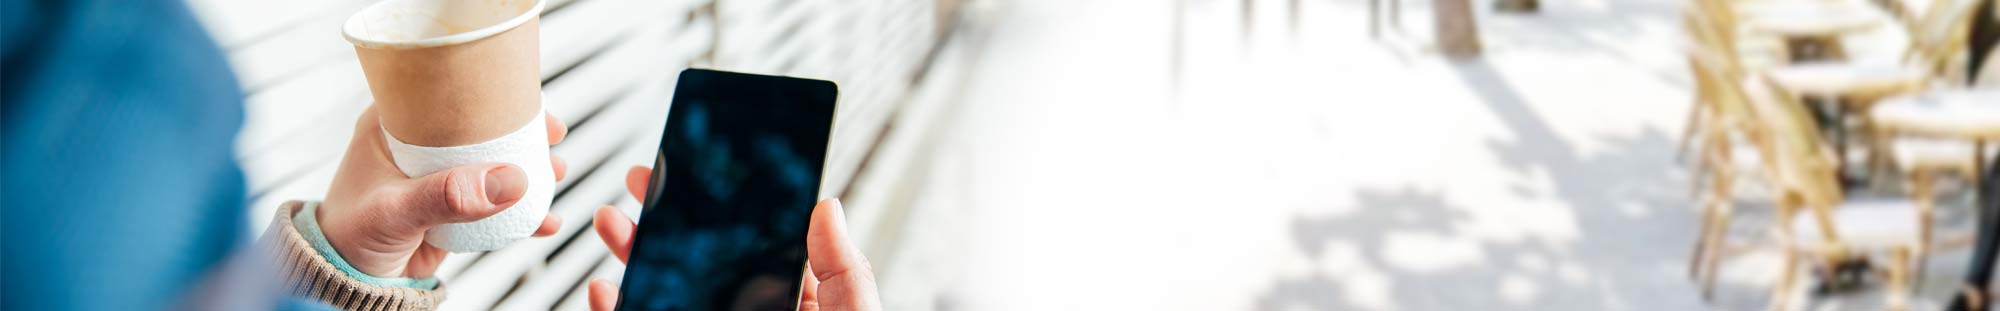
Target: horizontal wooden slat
(749, 36)
(237, 23)
(657, 50)
(589, 26)
(282, 112)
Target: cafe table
(1968, 114)
(1961, 114)
(1811, 31)
(1847, 88)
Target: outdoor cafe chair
(1731, 149)
(1712, 25)
(1822, 225)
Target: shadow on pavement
(1628, 200)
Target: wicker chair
(1821, 225)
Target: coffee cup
(457, 82)
(450, 72)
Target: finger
(550, 225)
(369, 151)
(424, 261)
(615, 229)
(561, 167)
(848, 281)
(809, 291)
(827, 247)
(367, 122)
(636, 180)
(557, 131)
(603, 296)
(464, 193)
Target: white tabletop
(1846, 78)
(1751, 10)
(1819, 21)
(1969, 113)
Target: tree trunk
(1457, 34)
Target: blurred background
(1266, 154)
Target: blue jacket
(121, 190)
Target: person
(1982, 44)
(1983, 39)
(118, 195)
(1976, 293)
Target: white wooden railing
(608, 69)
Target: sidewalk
(1093, 159)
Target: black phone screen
(732, 191)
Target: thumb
(846, 280)
(465, 193)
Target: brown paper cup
(450, 72)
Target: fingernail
(839, 212)
(505, 184)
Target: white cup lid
(407, 24)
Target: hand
(839, 277)
(375, 216)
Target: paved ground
(1098, 155)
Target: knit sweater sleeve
(308, 275)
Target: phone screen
(733, 187)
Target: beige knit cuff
(307, 274)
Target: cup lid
(410, 24)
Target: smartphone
(733, 187)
